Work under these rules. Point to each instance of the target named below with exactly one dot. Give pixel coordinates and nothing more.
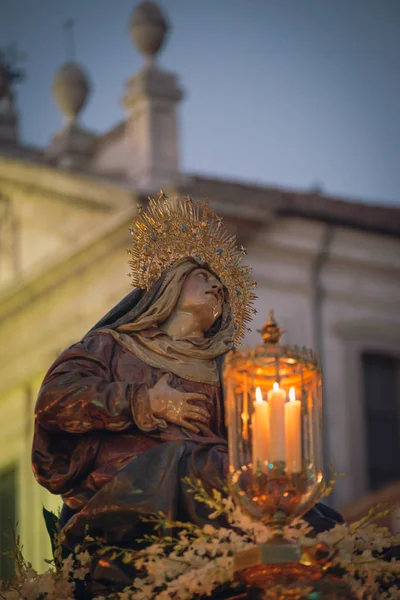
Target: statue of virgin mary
(134, 407)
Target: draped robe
(93, 418)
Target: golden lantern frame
(273, 491)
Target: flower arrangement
(58, 582)
(197, 562)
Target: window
(8, 482)
(382, 405)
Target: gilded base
(291, 582)
(265, 576)
(279, 552)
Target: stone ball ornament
(71, 87)
(149, 28)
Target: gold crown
(170, 229)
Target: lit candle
(245, 426)
(276, 401)
(260, 429)
(245, 413)
(293, 433)
(229, 403)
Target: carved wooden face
(202, 295)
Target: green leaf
(52, 526)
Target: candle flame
(259, 397)
(276, 386)
(292, 394)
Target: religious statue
(125, 414)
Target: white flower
(68, 565)
(144, 592)
(30, 574)
(80, 573)
(124, 595)
(209, 529)
(155, 549)
(46, 584)
(163, 596)
(139, 563)
(84, 558)
(29, 590)
(64, 590)
(335, 534)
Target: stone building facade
(330, 268)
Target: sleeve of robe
(79, 395)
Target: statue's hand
(175, 407)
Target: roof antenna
(69, 40)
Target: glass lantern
(273, 413)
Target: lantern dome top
(271, 332)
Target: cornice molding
(48, 276)
(71, 187)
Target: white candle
(229, 403)
(245, 413)
(293, 433)
(276, 401)
(260, 430)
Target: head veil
(134, 323)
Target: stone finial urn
(149, 28)
(71, 88)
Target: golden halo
(170, 229)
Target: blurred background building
(329, 267)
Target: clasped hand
(175, 407)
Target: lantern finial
(271, 333)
